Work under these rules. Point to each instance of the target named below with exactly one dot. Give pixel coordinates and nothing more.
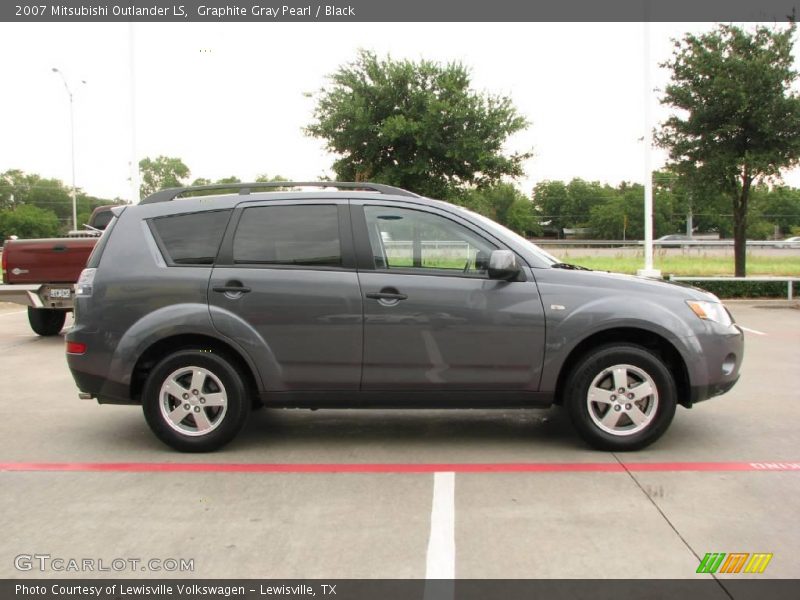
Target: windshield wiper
(569, 266)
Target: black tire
(220, 379)
(613, 421)
(46, 321)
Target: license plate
(60, 293)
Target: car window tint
(412, 239)
(303, 235)
(194, 238)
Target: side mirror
(503, 265)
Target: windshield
(496, 227)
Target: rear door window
(295, 235)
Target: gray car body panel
(580, 304)
(139, 300)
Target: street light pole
(72, 147)
(648, 270)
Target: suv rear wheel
(195, 400)
(621, 397)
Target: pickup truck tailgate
(54, 260)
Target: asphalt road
(573, 512)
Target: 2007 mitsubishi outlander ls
(364, 295)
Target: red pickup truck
(41, 274)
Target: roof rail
(169, 194)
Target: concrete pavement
(559, 524)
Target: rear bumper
(106, 392)
(40, 295)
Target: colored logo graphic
(734, 562)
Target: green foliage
(710, 209)
(551, 201)
(559, 205)
(621, 215)
(779, 207)
(161, 172)
(416, 125)
(748, 289)
(34, 190)
(28, 221)
(267, 179)
(738, 121)
(203, 181)
(18, 188)
(505, 204)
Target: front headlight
(710, 311)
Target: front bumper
(722, 351)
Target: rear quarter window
(100, 246)
(190, 239)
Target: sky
(230, 98)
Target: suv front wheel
(621, 397)
(195, 400)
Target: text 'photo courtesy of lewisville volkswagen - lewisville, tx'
(413, 301)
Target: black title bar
(397, 589)
(357, 11)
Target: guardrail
(667, 243)
(789, 280)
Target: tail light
(4, 265)
(76, 348)
(85, 282)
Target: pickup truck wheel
(195, 400)
(46, 321)
(621, 397)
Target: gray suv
(357, 295)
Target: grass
(700, 265)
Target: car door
(433, 320)
(285, 286)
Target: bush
(747, 289)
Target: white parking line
(441, 560)
(16, 312)
(752, 330)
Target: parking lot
(404, 494)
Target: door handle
(232, 287)
(386, 296)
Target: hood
(618, 282)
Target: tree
(161, 172)
(265, 178)
(18, 188)
(505, 204)
(779, 207)
(28, 221)
(566, 206)
(550, 198)
(33, 189)
(739, 121)
(621, 214)
(415, 125)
